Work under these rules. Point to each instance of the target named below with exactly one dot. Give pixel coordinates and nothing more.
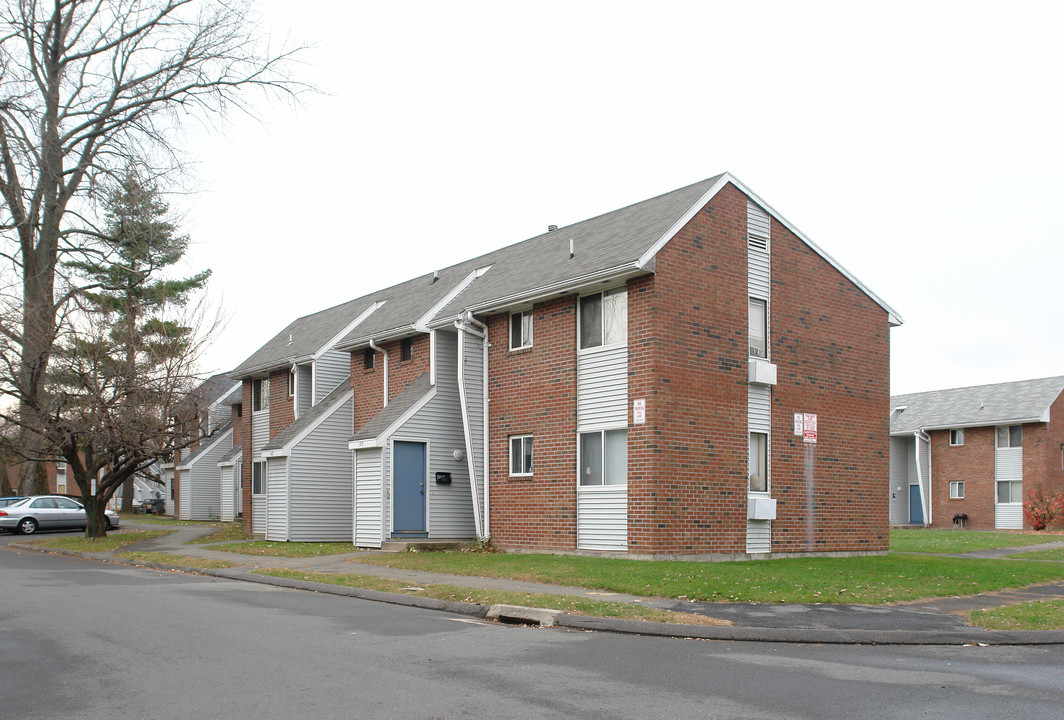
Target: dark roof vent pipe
(552, 228)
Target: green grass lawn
(860, 580)
(167, 559)
(113, 541)
(1054, 555)
(959, 541)
(565, 603)
(228, 532)
(286, 549)
(1035, 615)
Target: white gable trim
(205, 451)
(348, 328)
(381, 439)
(286, 449)
(421, 325)
(892, 315)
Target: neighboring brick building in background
(975, 452)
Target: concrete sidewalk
(934, 622)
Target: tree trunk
(95, 523)
(33, 478)
(127, 496)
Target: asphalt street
(84, 639)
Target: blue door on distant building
(916, 509)
(409, 464)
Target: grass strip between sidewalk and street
(114, 541)
(927, 540)
(1034, 615)
(866, 580)
(168, 520)
(177, 560)
(287, 549)
(565, 603)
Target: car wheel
(106, 524)
(27, 526)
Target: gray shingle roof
(980, 405)
(409, 397)
(232, 455)
(306, 419)
(302, 338)
(607, 241)
(205, 445)
(234, 398)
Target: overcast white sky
(919, 144)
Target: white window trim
(579, 321)
(956, 489)
(511, 452)
(579, 457)
(767, 492)
(262, 481)
(531, 329)
(764, 325)
(961, 432)
(264, 394)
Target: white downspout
(375, 347)
(464, 401)
(484, 373)
(921, 435)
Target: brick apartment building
(631, 383)
(973, 453)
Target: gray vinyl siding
(450, 507)
(474, 385)
(260, 432)
(321, 481)
(201, 488)
(369, 498)
(331, 369)
(923, 476)
(901, 450)
(183, 499)
(304, 388)
(759, 400)
(277, 499)
(168, 482)
(602, 387)
(258, 514)
(602, 518)
(758, 536)
(230, 481)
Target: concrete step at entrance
(424, 545)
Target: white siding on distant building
(758, 536)
(602, 387)
(901, 449)
(229, 475)
(1008, 465)
(304, 388)
(759, 397)
(258, 514)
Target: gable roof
(614, 245)
(308, 419)
(1009, 403)
(208, 445)
(303, 338)
(230, 457)
(395, 410)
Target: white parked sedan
(48, 512)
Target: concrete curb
(815, 636)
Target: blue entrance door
(916, 510)
(409, 467)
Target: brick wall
(282, 405)
(369, 384)
(1054, 462)
(972, 463)
(533, 391)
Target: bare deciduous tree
(86, 87)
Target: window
(758, 462)
(1010, 491)
(758, 328)
(367, 359)
(956, 489)
(604, 457)
(1010, 437)
(68, 504)
(521, 330)
(292, 382)
(521, 455)
(604, 318)
(260, 394)
(258, 478)
(60, 477)
(406, 349)
(956, 437)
